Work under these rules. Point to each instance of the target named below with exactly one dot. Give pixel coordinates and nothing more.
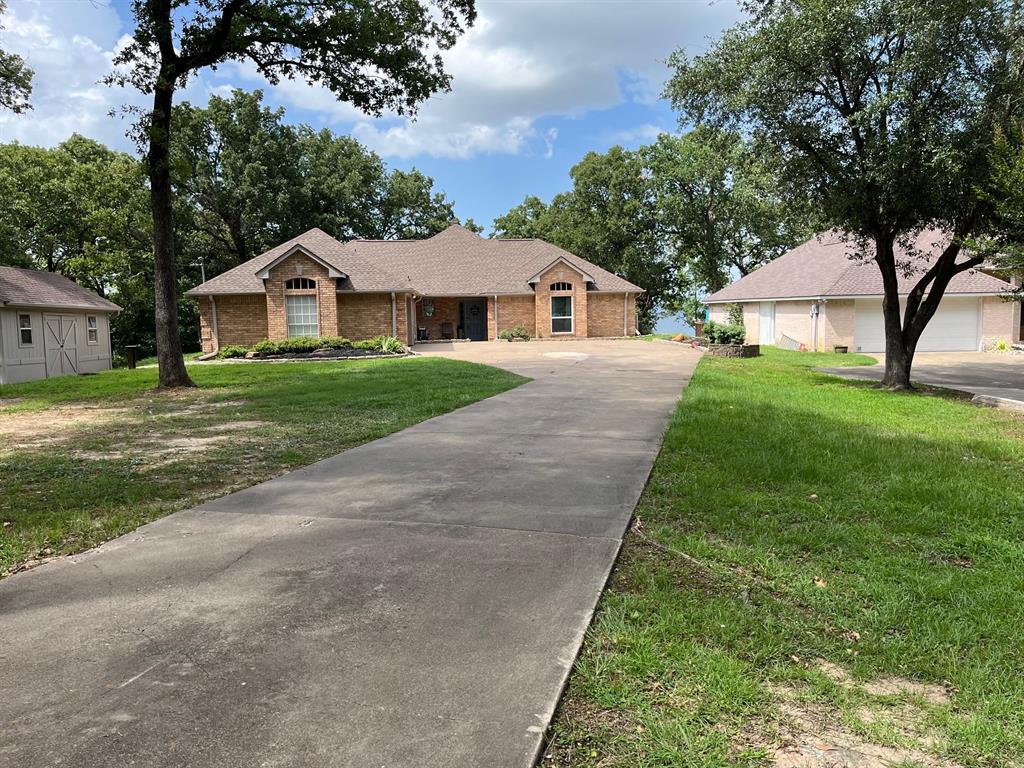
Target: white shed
(51, 326)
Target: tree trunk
(899, 354)
(168, 339)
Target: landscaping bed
(821, 573)
(85, 459)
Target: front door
(60, 344)
(474, 318)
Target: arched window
(561, 286)
(300, 284)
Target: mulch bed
(330, 354)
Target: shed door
(60, 344)
(767, 323)
(953, 328)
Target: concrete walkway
(995, 378)
(416, 601)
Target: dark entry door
(474, 318)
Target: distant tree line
(244, 181)
(681, 217)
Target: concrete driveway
(416, 601)
(985, 374)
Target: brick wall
(836, 324)
(1000, 321)
(512, 311)
(605, 314)
(241, 319)
(561, 273)
(365, 315)
(300, 265)
(446, 310)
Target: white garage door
(953, 328)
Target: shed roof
(34, 288)
(832, 265)
(455, 262)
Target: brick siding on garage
(557, 274)
(241, 319)
(1000, 321)
(605, 314)
(836, 324)
(793, 319)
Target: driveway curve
(415, 601)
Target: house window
(561, 286)
(300, 284)
(25, 330)
(301, 311)
(561, 314)
(92, 330)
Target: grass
(857, 573)
(151, 360)
(84, 459)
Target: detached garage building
(820, 296)
(50, 326)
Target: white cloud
(521, 62)
(526, 60)
(641, 134)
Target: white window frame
(92, 329)
(22, 328)
(288, 318)
(571, 317)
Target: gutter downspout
(495, 317)
(394, 316)
(816, 309)
(216, 332)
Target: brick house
(455, 285)
(823, 293)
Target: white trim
(495, 316)
(843, 296)
(394, 316)
(625, 314)
(89, 330)
(332, 271)
(316, 313)
(216, 332)
(572, 313)
(30, 329)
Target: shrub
(517, 332)
(736, 313)
(1002, 346)
(386, 344)
(719, 333)
(299, 344)
(232, 350)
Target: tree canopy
(374, 54)
(882, 114)
(15, 78)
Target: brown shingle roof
(33, 288)
(825, 266)
(455, 262)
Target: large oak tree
(375, 54)
(884, 113)
(15, 78)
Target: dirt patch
(811, 735)
(33, 428)
(886, 686)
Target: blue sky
(537, 84)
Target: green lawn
(820, 563)
(84, 459)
